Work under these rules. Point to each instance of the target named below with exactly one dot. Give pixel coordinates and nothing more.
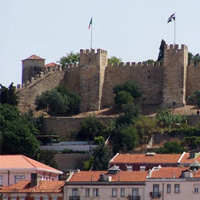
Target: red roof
(52, 64)
(143, 158)
(34, 57)
(168, 172)
(186, 158)
(43, 187)
(22, 162)
(121, 176)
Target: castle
(169, 84)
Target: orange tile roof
(24, 187)
(186, 158)
(168, 172)
(143, 158)
(23, 162)
(34, 57)
(122, 176)
(52, 64)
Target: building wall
(105, 191)
(9, 175)
(186, 189)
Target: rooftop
(143, 158)
(34, 57)
(10, 162)
(43, 186)
(122, 176)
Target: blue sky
(129, 29)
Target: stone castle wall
(149, 78)
(193, 79)
(94, 80)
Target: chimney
(34, 179)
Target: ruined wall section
(51, 78)
(92, 68)
(175, 72)
(149, 77)
(193, 79)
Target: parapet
(176, 47)
(134, 64)
(92, 51)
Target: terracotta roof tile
(143, 158)
(23, 162)
(122, 176)
(34, 57)
(24, 187)
(186, 158)
(52, 64)
(168, 172)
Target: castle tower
(31, 66)
(92, 71)
(175, 71)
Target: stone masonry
(93, 79)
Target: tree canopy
(58, 101)
(8, 95)
(114, 60)
(17, 132)
(195, 98)
(161, 50)
(70, 58)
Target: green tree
(131, 112)
(91, 127)
(124, 138)
(8, 95)
(47, 157)
(161, 50)
(145, 127)
(114, 60)
(58, 101)
(127, 87)
(171, 147)
(70, 58)
(193, 58)
(191, 142)
(195, 98)
(17, 133)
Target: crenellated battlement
(134, 64)
(92, 51)
(40, 76)
(72, 66)
(175, 48)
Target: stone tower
(175, 71)
(32, 66)
(92, 71)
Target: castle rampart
(93, 79)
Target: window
(196, 188)
(156, 192)
(13, 198)
(168, 188)
(87, 192)
(22, 177)
(135, 192)
(22, 198)
(95, 192)
(54, 198)
(16, 178)
(122, 192)
(129, 168)
(114, 192)
(5, 198)
(1, 180)
(142, 168)
(74, 191)
(45, 198)
(176, 188)
(37, 198)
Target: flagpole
(91, 35)
(174, 31)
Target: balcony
(155, 195)
(133, 197)
(74, 198)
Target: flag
(90, 24)
(172, 17)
